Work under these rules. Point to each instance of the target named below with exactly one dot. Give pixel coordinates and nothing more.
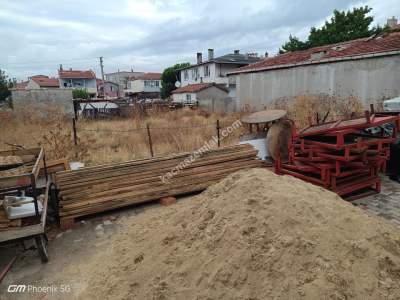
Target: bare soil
(254, 235)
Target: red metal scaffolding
(343, 156)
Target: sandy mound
(255, 235)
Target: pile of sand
(255, 235)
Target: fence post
(74, 130)
(75, 137)
(218, 134)
(150, 141)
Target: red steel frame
(344, 168)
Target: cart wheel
(41, 242)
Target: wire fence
(146, 130)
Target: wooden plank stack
(100, 188)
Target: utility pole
(102, 76)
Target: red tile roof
(364, 46)
(44, 81)
(150, 76)
(76, 74)
(21, 85)
(194, 88)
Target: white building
(77, 79)
(214, 70)
(210, 97)
(147, 85)
(367, 69)
(122, 77)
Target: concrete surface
(386, 204)
(68, 248)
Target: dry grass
(301, 108)
(115, 140)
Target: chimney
(199, 57)
(392, 23)
(236, 51)
(61, 67)
(266, 53)
(210, 54)
(70, 69)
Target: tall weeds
(116, 140)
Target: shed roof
(388, 44)
(194, 88)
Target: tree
(80, 94)
(293, 44)
(168, 79)
(343, 26)
(5, 85)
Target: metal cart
(28, 182)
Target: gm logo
(16, 288)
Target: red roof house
(76, 74)
(45, 81)
(355, 49)
(78, 79)
(195, 93)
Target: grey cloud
(152, 34)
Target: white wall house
(214, 70)
(78, 80)
(148, 84)
(122, 77)
(194, 93)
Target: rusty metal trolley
(28, 182)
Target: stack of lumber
(105, 187)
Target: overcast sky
(148, 35)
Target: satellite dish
(177, 84)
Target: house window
(188, 97)
(207, 71)
(146, 83)
(157, 83)
(195, 73)
(186, 75)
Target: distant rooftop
(232, 58)
(150, 76)
(197, 87)
(386, 44)
(44, 81)
(76, 74)
(21, 85)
